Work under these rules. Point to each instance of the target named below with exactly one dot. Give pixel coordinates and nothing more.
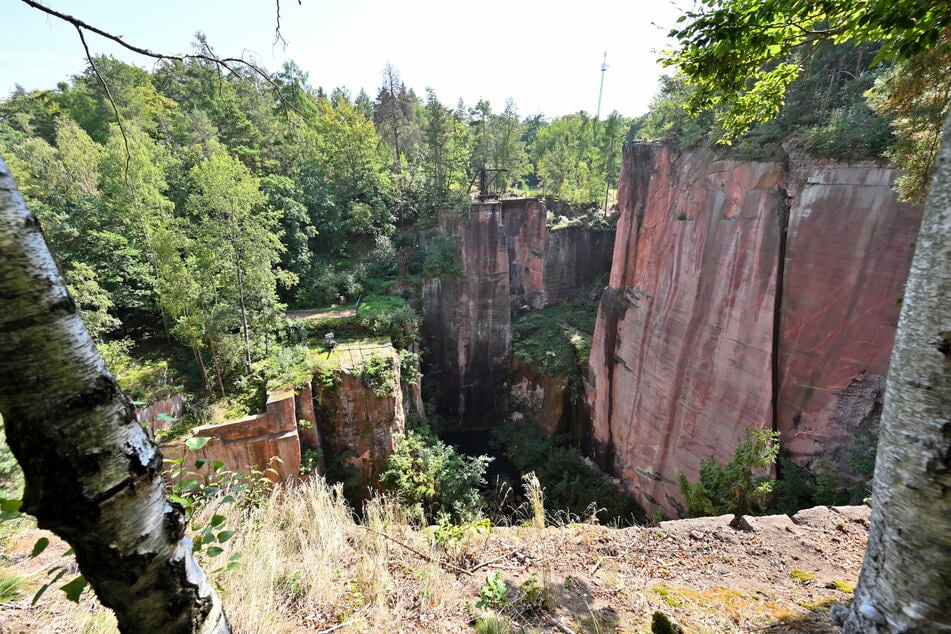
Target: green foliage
(557, 339)
(204, 488)
(661, 624)
(735, 488)
(863, 453)
(737, 67)
(493, 593)
(378, 373)
(441, 257)
(409, 367)
(11, 587)
(492, 625)
(432, 479)
(310, 460)
(570, 485)
(285, 368)
(11, 476)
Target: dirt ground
(771, 574)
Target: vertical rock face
(358, 426)
(467, 322)
(848, 253)
(742, 295)
(509, 260)
(251, 443)
(681, 357)
(525, 233)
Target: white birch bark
(92, 474)
(905, 585)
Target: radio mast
(604, 67)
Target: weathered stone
(714, 523)
(681, 358)
(358, 427)
(859, 513)
(761, 523)
(251, 443)
(510, 260)
(848, 253)
(743, 295)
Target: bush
(734, 488)
(441, 257)
(431, 479)
(570, 485)
(556, 340)
(379, 374)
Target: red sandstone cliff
(358, 426)
(694, 341)
(510, 260)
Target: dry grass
(308, 564)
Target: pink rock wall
(359, 428)
(250, 443)
(467, 323)
(172, 407)
(695, 343)
(848, 253)
(681, 357)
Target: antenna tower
(604, 67)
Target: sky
(545, 55)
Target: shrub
(441, 257)
(734, 488)
(431, 479)
(571, 486)
(379, 374)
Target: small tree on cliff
(728, 50)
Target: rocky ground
(769, 574)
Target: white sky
(545, 55)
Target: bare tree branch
(112, 101)
(226, 62)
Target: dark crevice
(783, 221)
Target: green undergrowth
(377, 316)
(433, 480)
(572, 488)
(556, 340)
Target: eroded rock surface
(743, 295)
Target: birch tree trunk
(92, 474)
(905, 585)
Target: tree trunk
(92, 475)
(905, 585)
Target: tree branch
(225, 62)
(112, 101)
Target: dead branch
(112, 101)
(434, 560)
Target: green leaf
(179, 500)
(196, 443)
(210, 492)
(201, 462)
(39, 546)
(217, 521)
(214, 551)
(10, 505)
(224, 536)
(217, 465)
(75, 588)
